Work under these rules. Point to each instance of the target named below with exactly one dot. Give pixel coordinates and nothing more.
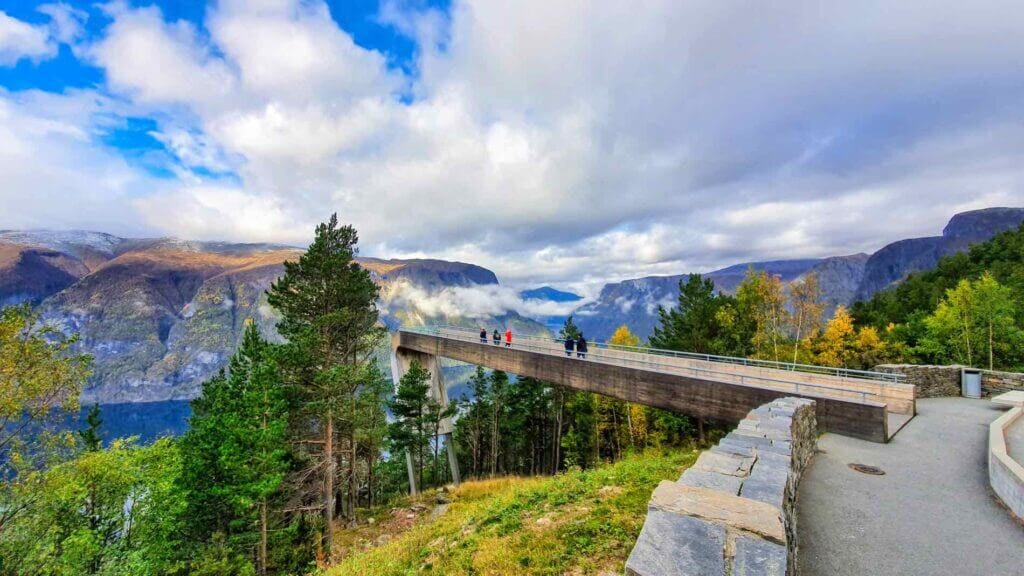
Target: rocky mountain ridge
(161, 315)
(844, 279)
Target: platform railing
(644, 358)
(753, 362)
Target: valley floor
(573, 523)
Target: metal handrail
(463, 334)
(847, 373)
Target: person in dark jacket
(497, 337)
(581, 347)
(483, 335)
(569, 345)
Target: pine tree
(90, 436)
(569, 329)
(329, 315)
(499, 385)
(695, 324)
(235, 452)
(372, 425)
(410, 431)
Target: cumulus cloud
(476, 301)
(584, 140)
(36, 42)
(53, 174)
(19, 40)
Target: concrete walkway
(931, 513)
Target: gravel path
(931, 513)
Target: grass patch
(574, 523)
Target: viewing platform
(861, 404)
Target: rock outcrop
(896, 261)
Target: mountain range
(843, 279)
(160, 315)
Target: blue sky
(567, 143)
(133, 137)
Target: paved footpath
(931, 513)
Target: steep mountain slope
(635, 302)
(162, 315)
(896, 261)
(844, 279)
(30, 274)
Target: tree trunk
(990, 363)
(494, 438)
(329, 487)
(263, 537)
(796, 344)
(629, 424)
(558, 432)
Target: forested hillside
(983, 288)
(304, 439)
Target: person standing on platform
(508, 338)
(569, 345)
(497, 337)
(483, 335)
(581, 346)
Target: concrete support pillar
(411, 469)
(453, 462)
(401, 360)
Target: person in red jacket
(508, 338)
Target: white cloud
(580, 141)
(157, 61)
(20, 39)
(53, 174)
(477, 301)
(66, 22)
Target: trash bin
(970, 383)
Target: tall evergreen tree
(372, 425)
(235, 452)
(90, 436)
(410, 431)
(329, 315)
(697, 323)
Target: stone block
(765, 490)
(724, 463)
(748, 439)
(756, 557)
(778, 447)
(673, 545)
(712, 505)
(703, 479)
(741, 449)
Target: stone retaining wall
(1006, 475)
(939, 381)
(994, 383)
(734, 511)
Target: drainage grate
(865, 469)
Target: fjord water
(145, 420)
